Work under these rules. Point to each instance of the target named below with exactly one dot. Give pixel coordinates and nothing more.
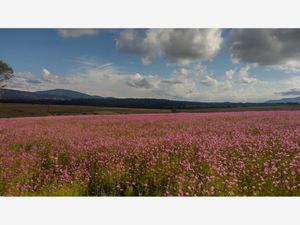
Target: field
(8, 110)
(178, 154)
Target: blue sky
(191, 64)
(34, 49)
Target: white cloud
(226, 85)
(178, 45)
(245, 77)
(139, 81)
(45, 73)
(49, 77)
(209, 81)
(229, 74)
(108, 80)
(193, 82)
(75, 33)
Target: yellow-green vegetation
(23, 110)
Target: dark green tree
(6, 73)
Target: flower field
(185, 154)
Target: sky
(237, 65)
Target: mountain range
(286, 100)
(69, 97)
(55, 94)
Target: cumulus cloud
(229, 74)
(293, 91)
(245, 77)
(178, 45)
(226, 85)
(46, 73)
(278, 48)
(130, 41)
(194, 82)
(49, 77)
(209, 81)
(139, 81)
(75, 33)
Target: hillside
(285, 100)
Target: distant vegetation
(145, 103)
(24, 110)
(6, 73)
(67, 102)
(68, 97)
(8, 110)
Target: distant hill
(55, 94)
(65, 94)
(286, 100)
(69, 97)
(7, 94)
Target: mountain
(65, 94)
(285, 100)
(69, 97)
(7, 94)
(55, 94)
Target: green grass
(8, 110)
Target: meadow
(169, 154)
(9, 110)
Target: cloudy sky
(192, 64)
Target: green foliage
(6, 72)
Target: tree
(6, 73)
